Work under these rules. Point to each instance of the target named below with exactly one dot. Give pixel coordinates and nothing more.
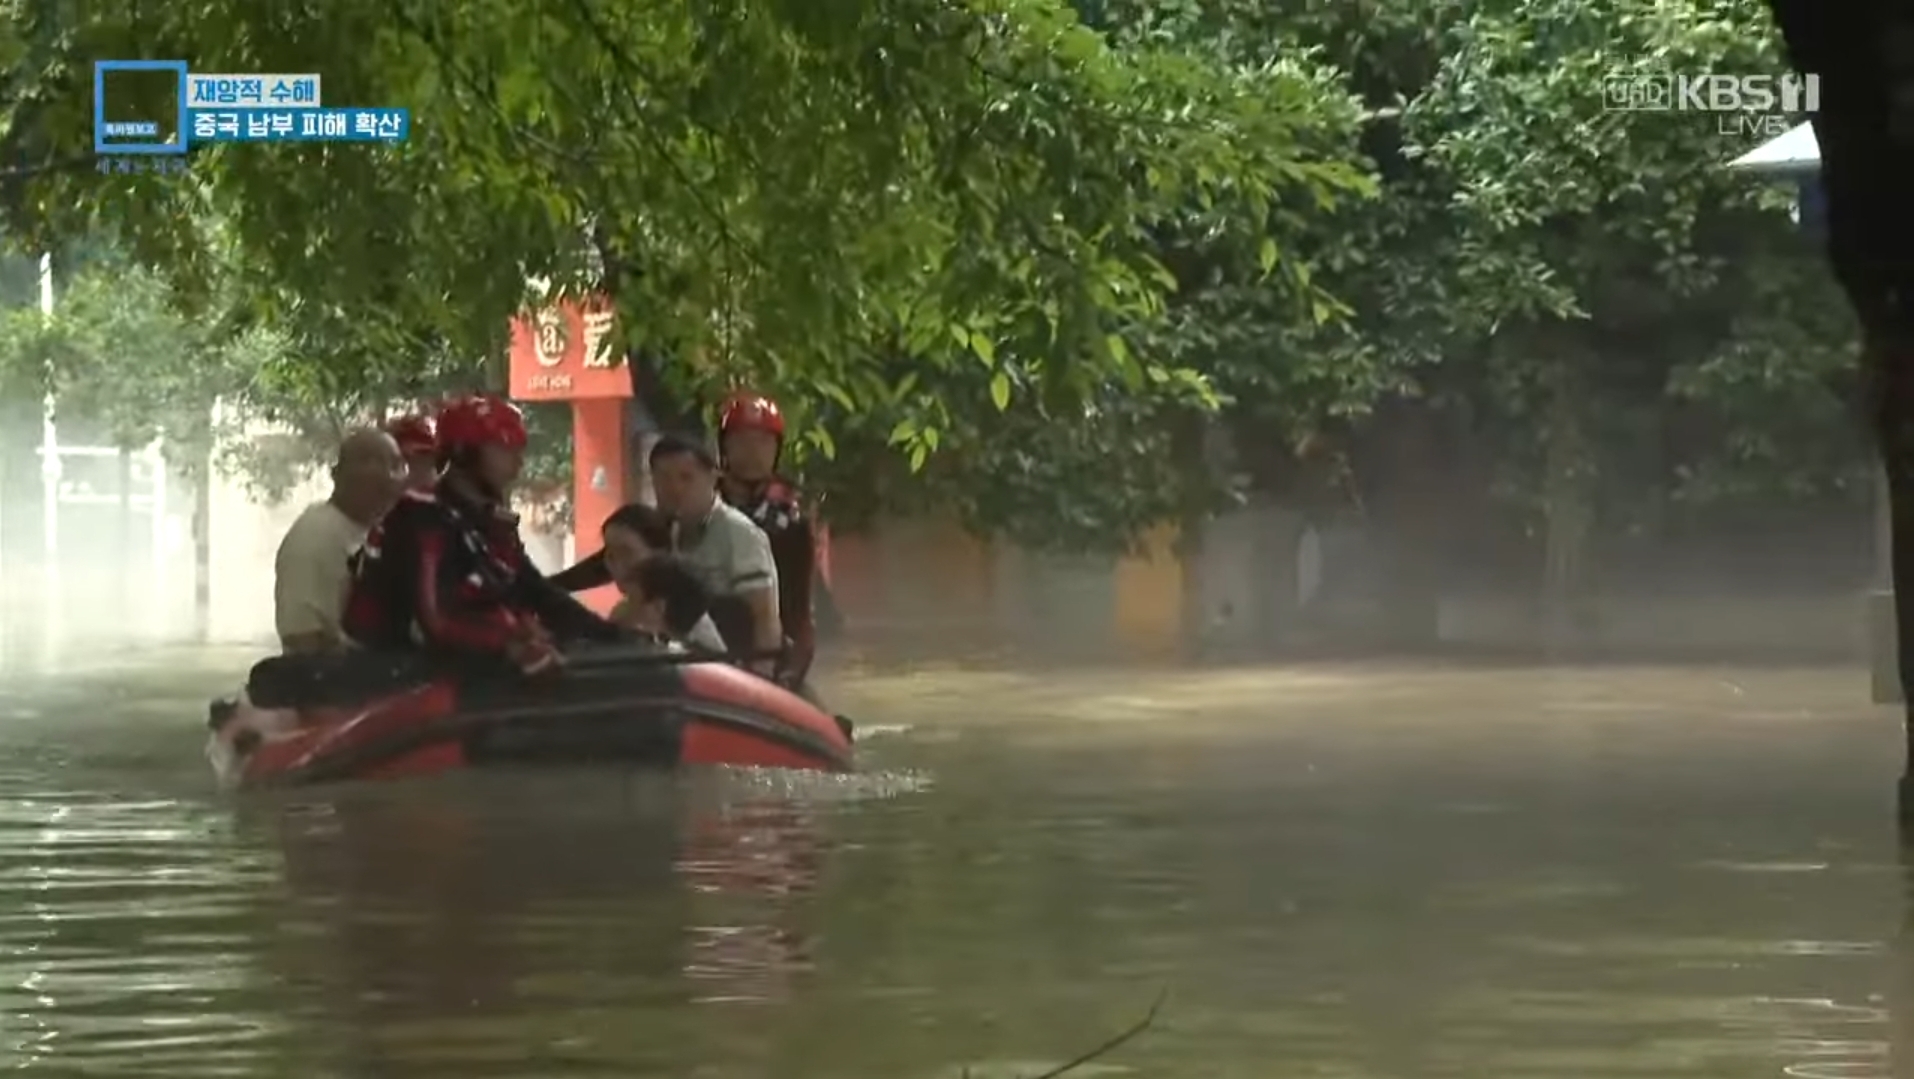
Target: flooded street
(1330, 871)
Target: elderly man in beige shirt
(312, 572)
(312, 575)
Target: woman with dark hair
(632, 534)
(638, 534)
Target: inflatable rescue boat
(654, 711)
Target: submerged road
(1334, 872)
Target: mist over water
(1460, 567)
(104, 574)
(1342, 853)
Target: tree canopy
(1068, 271)
(788, 193)
(1609, 259)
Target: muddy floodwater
(1325, 872)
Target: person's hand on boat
(533, 651)
(541, 659)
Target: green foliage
(1082, 479)
(1303, 333)
(1773, 409)
(1001, 256)
(789, 193)
(1610, 257)
(114, 352)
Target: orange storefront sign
(563, 353)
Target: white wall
(243, 532)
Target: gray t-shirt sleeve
(752, 568)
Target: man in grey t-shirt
(731, 553)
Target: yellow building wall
(1149, 594)
(913, 569)
(931, 571)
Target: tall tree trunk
(1408, 525)
(1201, 448)
(1568, 513)
(1866, 139)
(1900, 1017)
(1885, 675)
(1892, 383)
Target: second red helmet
(482, 419)
(751, 411)
(414, 434)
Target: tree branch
(658, 145)
(431, 41)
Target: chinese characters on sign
(565, 353)
(597, 328)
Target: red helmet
(414, 434)
(482, 419)
(746, 411)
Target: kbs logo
(1785, 94)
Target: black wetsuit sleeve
(794, 549)
(590, 572)
(568, 619)
(382, 608)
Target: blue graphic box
(100, 145)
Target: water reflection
(1588, 876)
(126, 935)
(742, 856)
(1901, 985)
(447, 921)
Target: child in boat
(665, 599)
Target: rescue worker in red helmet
(448, 573)
(418, 439)
(750, 443)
